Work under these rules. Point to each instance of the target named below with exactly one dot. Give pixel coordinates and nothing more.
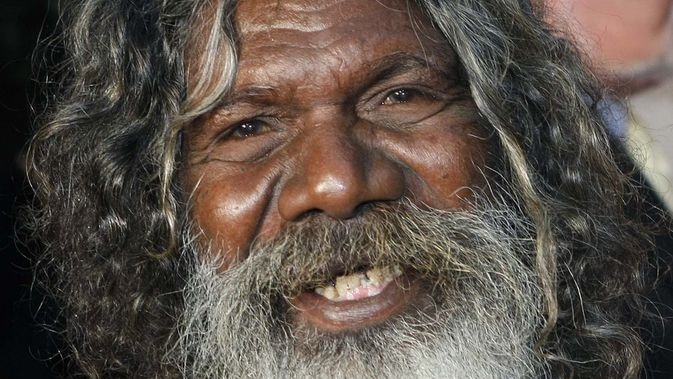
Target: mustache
(431, 243)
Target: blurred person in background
(630, 45)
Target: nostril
(363, 208)
(360, 210)
(339, 178)
(334, 188)
(310, 214)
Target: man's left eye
(403, 95)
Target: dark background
(24, 347)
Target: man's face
(336, 105)
(335, 190)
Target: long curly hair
(108, 207)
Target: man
(335, 188)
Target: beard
(477, 314)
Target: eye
(239, 135)
(403, 95)
(404, 106)
(247, 128)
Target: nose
(336, 173)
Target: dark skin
(333, 107)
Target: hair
(108, 206)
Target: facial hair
(477, 318)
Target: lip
(347, 315)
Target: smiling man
(333, 189)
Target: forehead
(280, 40)
(312, 17)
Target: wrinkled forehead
(310, 16)
(313, 20)
(336, 34)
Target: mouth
(356, 300)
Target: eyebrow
(253, 94)
(399, 63)
(384, 68)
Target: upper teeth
(359, 285)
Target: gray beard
(478, 318)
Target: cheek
(444, 168)
(228, 208)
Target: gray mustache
(433, 243)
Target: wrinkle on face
(318, 78)
(334, 43)
(306, 16)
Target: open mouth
(356, 300)
(359, 285)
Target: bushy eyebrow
(382, 69)
(399, 63)
(254, 94)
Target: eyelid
(233, 129)
(417, 77)
(414, 92)
(268, 122)
(231, 114)
(376, 99)
(246, 149)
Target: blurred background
(628, 42)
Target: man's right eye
(245, 129)
(246, 140)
